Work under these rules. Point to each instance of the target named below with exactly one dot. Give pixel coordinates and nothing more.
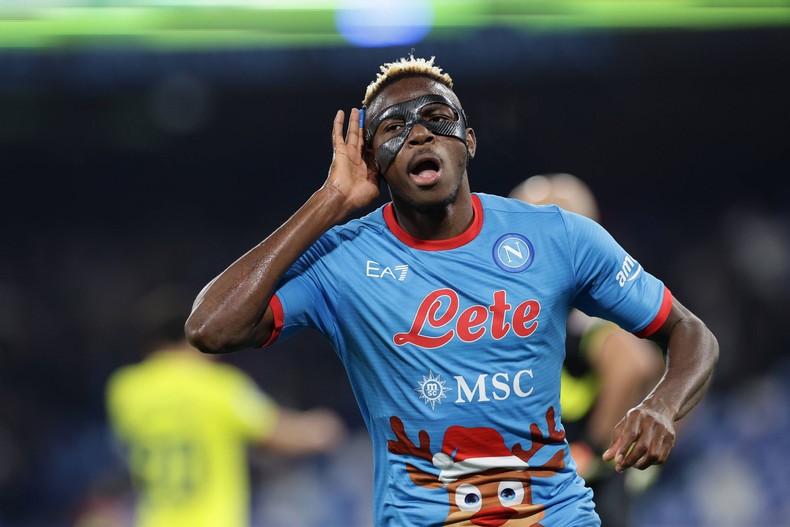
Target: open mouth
(425, 171)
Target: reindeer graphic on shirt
(487, 484)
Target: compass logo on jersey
(432, 389)
(513, 253)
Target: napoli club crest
(513, 253)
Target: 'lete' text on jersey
(454, 350)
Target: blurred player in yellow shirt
(186, 422)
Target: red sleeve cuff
(661, 317)
(279, 320)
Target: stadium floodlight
(374, 23)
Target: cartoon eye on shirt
(511, 493)
(468, 498)
(487, 483)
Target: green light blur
(265, 24)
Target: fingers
(640, 441)
(618, 450)
(628, 451)
(656, 452)
(610, 452)
(643, 455)
(337, 129)
(616, 446)
(627, 443)
(354, 134)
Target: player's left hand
(644, 437)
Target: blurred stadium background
(145, 144)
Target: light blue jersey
(454, 350)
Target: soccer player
(448, 310)
(606, 371)
(186, 422)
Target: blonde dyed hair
(405, 67)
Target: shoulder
(367, 229)
(542, 221)
(514, 213)
(373, 223)
(497, 204)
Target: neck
(439, 221)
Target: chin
(428, 200)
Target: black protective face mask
(409, 111)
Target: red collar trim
(437, 245)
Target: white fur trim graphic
(451, 471)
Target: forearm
(229, 314)
(646, 435)
(692, 353)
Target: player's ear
(369, 157)
(471, 142)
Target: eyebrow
(432, 106)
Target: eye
(468, 498)
(511, 493)
(439, 113)
(391, 126)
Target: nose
(419, 134)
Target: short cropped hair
(405, 67)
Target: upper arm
(306, 297)
(677, 313)
(609, 282)
(267, 331)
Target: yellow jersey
(186, 422)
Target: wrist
(332, 203)
(661, 404)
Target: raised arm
(646, 434)
(231, 312)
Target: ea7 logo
(375, 270)
(627, 273)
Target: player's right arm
(231, 312)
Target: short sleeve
(306, 295)
(612, 284)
